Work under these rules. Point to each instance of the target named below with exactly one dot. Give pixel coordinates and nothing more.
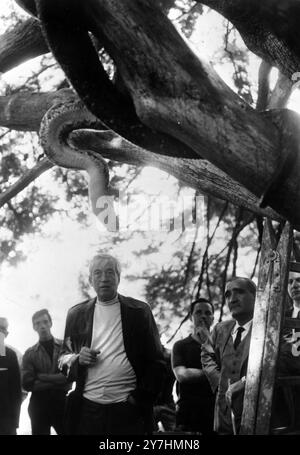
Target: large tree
(165, 105)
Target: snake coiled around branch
(56, 126)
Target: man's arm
(30, 380)
(155, 366)
(188, 375)
(53, 378)
(68, 361)
(234, 390)
(15, 388)
(210, 363)
(183, 373)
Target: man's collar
(245, 326)
(295, 312)
(108, 302)
(39, 345)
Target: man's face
(42, 325)
(202, 312)
(240, 300)
(294, 286)
(4, 326)
(104, 279)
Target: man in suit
(225, 354)
(10, 385)
(113, 352)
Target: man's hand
(233, 390)
(87, 356)
(202, 333)
(131, 400)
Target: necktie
(238, 337)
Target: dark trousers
(110, 419)
(46, 410)
(195, 416)
(7, 429)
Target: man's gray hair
(104, 257)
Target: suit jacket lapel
(90, 319)
(227, 335)
(246, 348)
(126, 317)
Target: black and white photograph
(150, 221)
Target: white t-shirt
(112, 378)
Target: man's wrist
(243, 379)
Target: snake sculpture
(56, 125)
(60, 120)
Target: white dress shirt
(246, 328)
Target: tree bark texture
(21, 44)
(24, 112)
(177, 95)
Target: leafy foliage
(195, 268)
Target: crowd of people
(110, 375)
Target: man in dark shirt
(195, 407)
(10, 385)
(40, 376)
(286, 407)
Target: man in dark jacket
(113, 352)
(41, 377)
(286, 408)
(10, 385)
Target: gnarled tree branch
(24, 111)
(28, 177)
(22, 43)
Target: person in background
(10, 385)
(225, 354)
(195, 406)
(286, 408)
(41, 377)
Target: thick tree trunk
(176, 93)
(24, 112)
(270, 28)
(22, 43)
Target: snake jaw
(56, 126)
